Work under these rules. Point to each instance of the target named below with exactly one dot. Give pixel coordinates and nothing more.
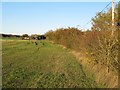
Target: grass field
(46, 65)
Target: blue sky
(40, 17)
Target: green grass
(11, 38)
(45, 65)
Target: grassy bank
(98, 71)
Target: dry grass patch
(98, 71)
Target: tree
(25, 35)
(49, 35)
(102, 46)
(103, 20)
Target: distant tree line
(9, 35)
(24, 36)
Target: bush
(101, 47)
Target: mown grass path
(45, 65)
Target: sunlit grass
(45, 65)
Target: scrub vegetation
(99, 45)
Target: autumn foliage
(99, 45)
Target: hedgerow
(99, 45)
